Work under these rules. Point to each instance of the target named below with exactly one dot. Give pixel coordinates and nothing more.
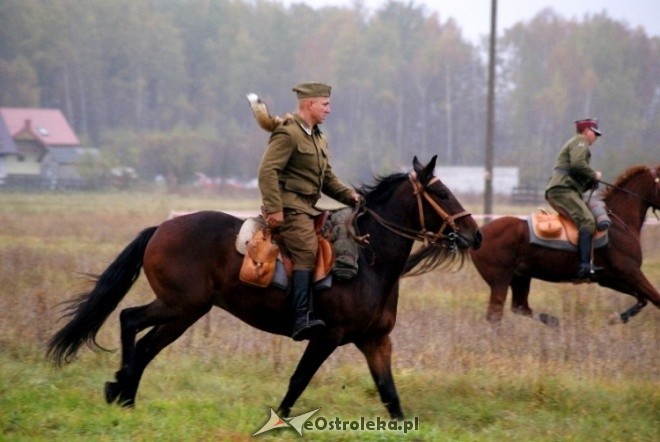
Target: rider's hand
(274, 220)
(598, 175)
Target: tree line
(160, 85)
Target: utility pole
(490, 117)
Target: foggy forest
(160, 85)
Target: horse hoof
(614, 319)
(549, 320)
(111, 392)
(127, 403)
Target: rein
(423, 235)
(656, 180)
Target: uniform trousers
(569, 202)
(300, 239)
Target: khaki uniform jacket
(295, 170)
(572, 168)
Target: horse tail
(90, 310)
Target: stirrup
(588, 272)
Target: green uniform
(571, 177)
(294, 171)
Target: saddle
(267, 262)
(556, 231)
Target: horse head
(442, 217)
(447, 230)
(654, 196)
(641, 183)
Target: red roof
(46, 125)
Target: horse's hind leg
(168, 325)
(519, 293)
(379, 358)
(132, 321)
(637, 285)
(317, 351)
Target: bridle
(423, 235)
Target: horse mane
(622, 180)
(432, 257)
(427, 258)
(381, 190)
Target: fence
(524, 195)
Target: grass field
(461, 377)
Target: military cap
(589, 123)
(312, 90)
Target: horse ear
(431, 166)
(427, 173)
(417, 166)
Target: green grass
(185, 399)
(463, 378)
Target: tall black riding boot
(304, 326)
(586, 271)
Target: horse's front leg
(378, 352)
(626, 315)
(317, 351)
(498, 292)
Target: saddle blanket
(558, 232)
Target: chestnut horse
(509, 260)
(192, 264)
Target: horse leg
(318, 350)
(378, 352)
(519, 294)
(132, 321)
(168, 326)
(146, 350)
(635, 285)
(498, 292)
(626, 315)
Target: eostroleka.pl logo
(295, 422)
(304, 422)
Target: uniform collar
(308, 130)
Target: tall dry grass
(48, 242)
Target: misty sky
(473, 16)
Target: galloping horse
(509, 260)
(192, 264)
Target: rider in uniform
(571, 178)
(294, 171)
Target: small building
(48, 148)
(8, 150)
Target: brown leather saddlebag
(258, 266)
(325, 259)
(548, 225)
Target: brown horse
(507, 258)
(192, 264)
